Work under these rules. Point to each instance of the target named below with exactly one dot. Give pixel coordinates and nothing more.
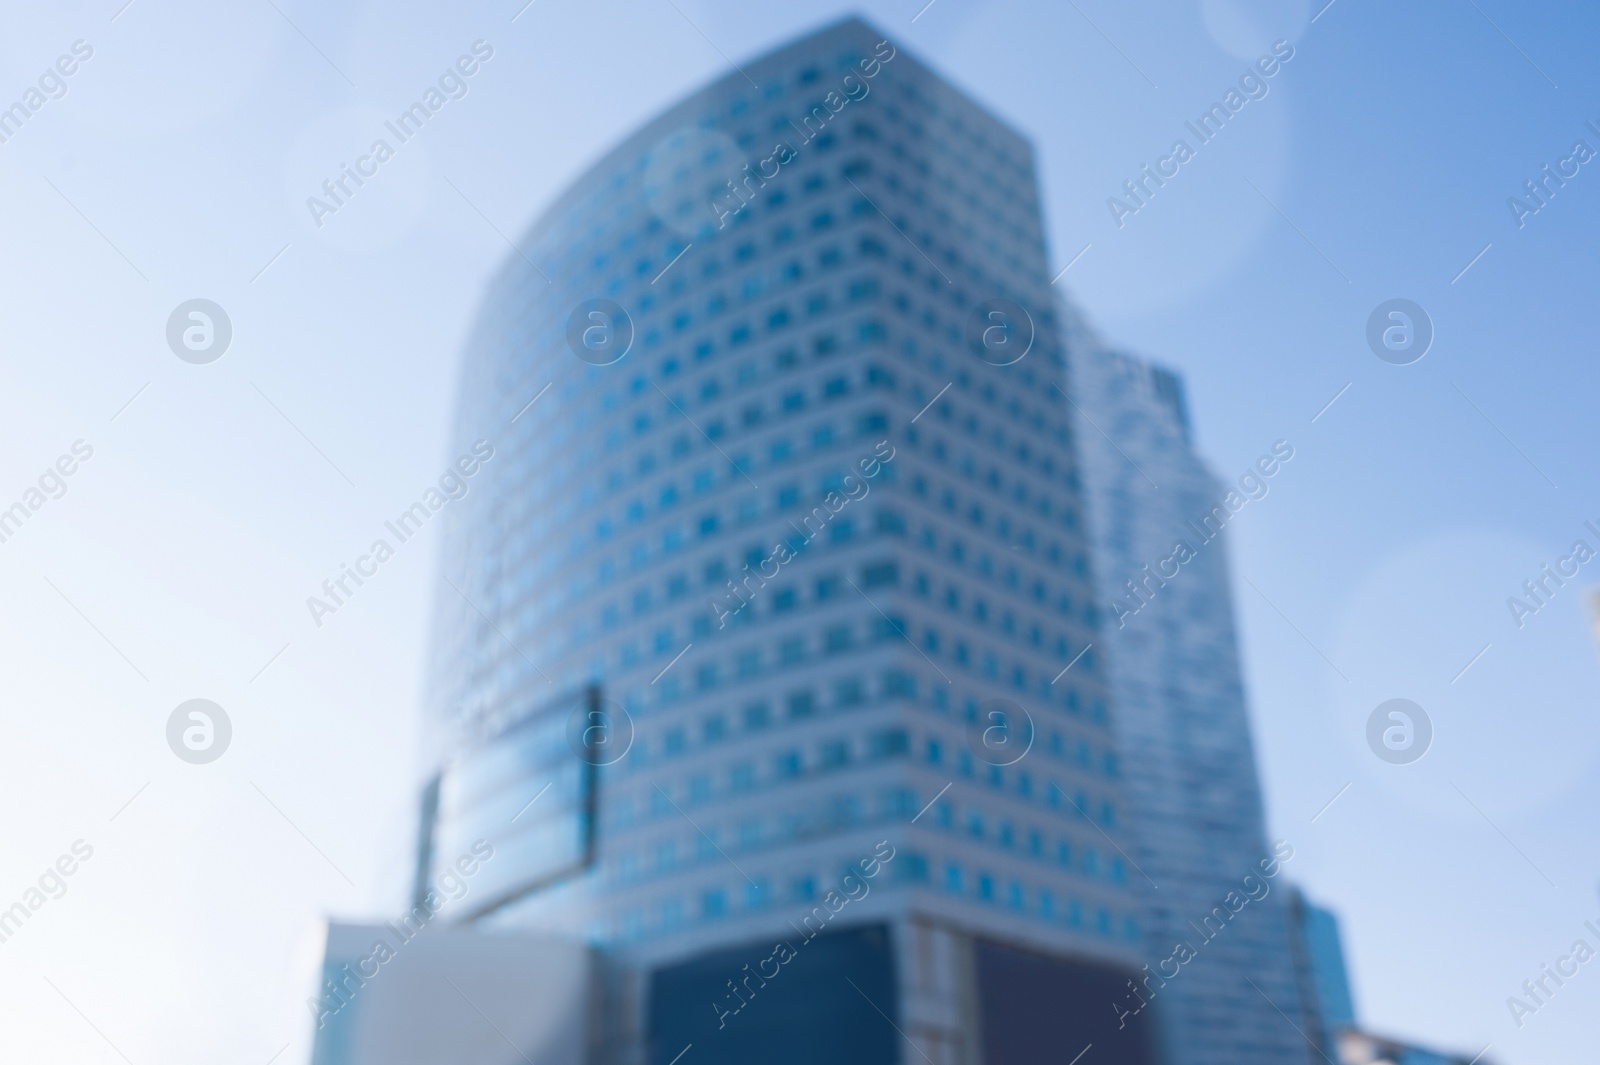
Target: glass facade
(1038, 1008)
(1327, 1007)
(541, 838)
(772, 1012)
(1174, 665)
(784, 465)
(1320, 929)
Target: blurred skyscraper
(1180, 717)
(1319, 961)
(1327, 1011)
(782, 466)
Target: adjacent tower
(1157, 518)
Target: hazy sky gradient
(177, 563)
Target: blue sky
(176, 564)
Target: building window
(802, 704)
(672, 913)
(889, 628)
(837, 638)
(889, 743)
(879, 574)
(898, 684)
